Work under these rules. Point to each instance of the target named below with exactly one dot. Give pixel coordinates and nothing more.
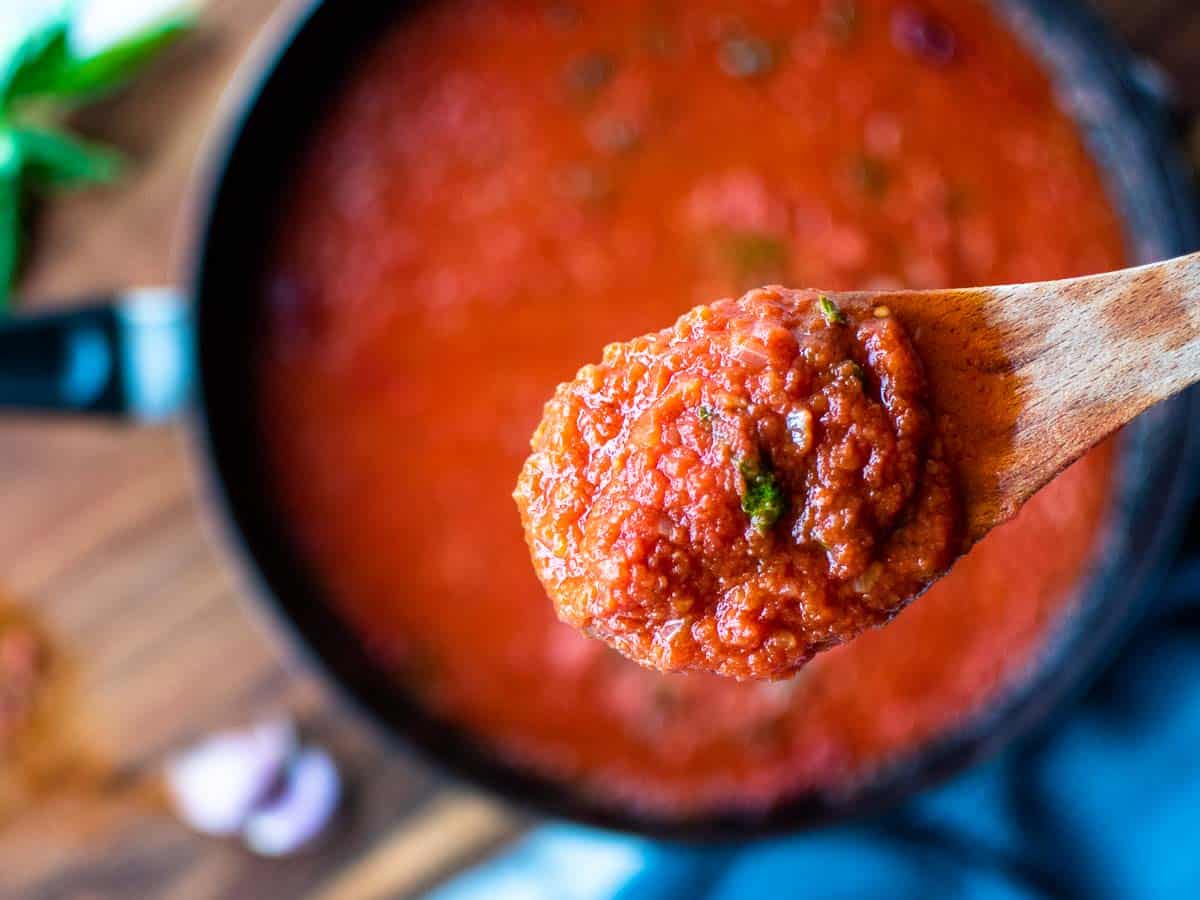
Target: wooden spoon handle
(1030, 376)
(1091, 354)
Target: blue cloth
(1104, 804)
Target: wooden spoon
(1028, 377)
(1022, 379)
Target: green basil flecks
(763, 499)
(830, 311)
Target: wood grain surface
(103, 542)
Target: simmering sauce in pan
(504, 187)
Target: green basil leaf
(763, 499)
(54, 159)
(10, 233)
(65, 76)
(42, 50)
(830, 311)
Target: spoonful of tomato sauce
(774, 474)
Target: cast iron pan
(304, 72)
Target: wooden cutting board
(102, 540)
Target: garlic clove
(302, 808)
(215, 785)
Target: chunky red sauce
(736, 493)
(494, 176)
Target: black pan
(134, 358)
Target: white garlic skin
(217, 784)
(300, 811)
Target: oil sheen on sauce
(504, 187)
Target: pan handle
(126, 355)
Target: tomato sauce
(504, 187)
(738, 492)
